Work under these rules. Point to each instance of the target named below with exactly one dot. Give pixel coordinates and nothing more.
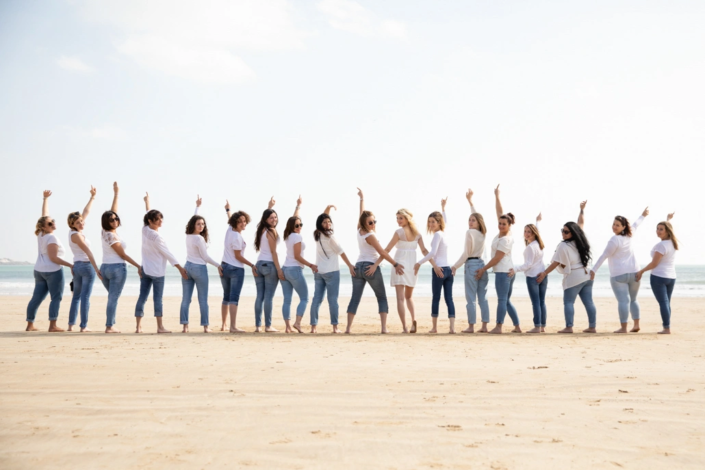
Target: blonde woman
(472, 259)
(48, 274)
(407, 239)
(532, 267)
(663, 276)
(85, 268)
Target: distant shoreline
(11, 262)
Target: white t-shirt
(667, 267)
(327, 252)
(44, 264)
(108, 239)
(504, 245)
(574, 273)
(233, 241)
(533, 260)
(439, 250)
(620, 254)
(155, 253)
(78, 253)
(292, 240)
(265, 253)
(368, 254)
(197, 250)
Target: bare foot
(536, 329)
(336, 330)
(469, 329)
(315, 330)
(589, 330)
(297, 328)
(517, 329)
(270, 329)
(635, 330)
(497, 330)
(483, 329)
(138, 329)
(567, 329)
(288, 330)
(185, 330)
(55, 329)
(234, 329)
(258, 329)
(162, 330)
(85, 330)
(665, 331)
(70, 328)
(543, 329)
(222, 328)
(384, 331)
(620, 331)
(347, 331)
(206, 329)
(112, 329)
(451, 332)
(433, 330)
(30, 327)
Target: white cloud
(348, 15)
(73, 64)
(200, 41)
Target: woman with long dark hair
(269, 271)
(572, 258)
(233, 264)
(623, 268)
(327, 278)
(532, 267)
(663, 264)
(197, 260)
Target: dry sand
(265, 401)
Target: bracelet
(227, 210)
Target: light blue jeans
(475, 289)
(198, 278)
(46, 283)
(295, 281)
(626, 288)
(83, 279)
(114, 277)
(146, 283)
(376, 282)
(266, 282)
(583, 290)
(331, 282)
(232, 280)
(504, 285)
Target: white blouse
(574, 273)
(327, 252)
(439, 250)
(110, 256)
(533, 260)
(155, 253)
(474, 247)
(197, 251)
(620, 254)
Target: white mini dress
(406, 256)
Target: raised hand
(646, 212)
(46, 194)
(583, 204)
(539, 218)
(146, 198)
(271, 202)
(116, 188)
(299, 200)
(359, 193)
(496, 191)
(443, 203)
(199, 200)
(93, 191)
(329, 207)
(670, 216)
(468, 195)
(227, 205)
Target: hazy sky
(412, 101)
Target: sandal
(413, 327)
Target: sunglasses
(50, 224)
(565, 232)
(372, 222)
(114, 219)
(298, 225)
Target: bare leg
(351, 317)
(224, 315)
(383, 321)
(497, 330)
(30, 326)
(452, 326)
(408, 292)
(400, 307)
(185, 329)
(484, 328)
(160, 326)
(233, 320)
(288, 329)
(636, 327)
(138, 324)
(53, 328)
(297, 324)
(435, 325)
(623, 329)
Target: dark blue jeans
(446, 284)
(375, 281)
(114, 277)
(537, 293)
(46, 283)
(504, 285)
(232, 281)
(83, 279)
(663, 288)
(145, 287)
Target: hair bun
(511, 218)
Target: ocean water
(19, 280)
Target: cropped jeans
(146, 283)
(504, 285)
(537, 293)
(295, 281)
(114, 277)
(83, 279)
(626, 288)
(198, 278)
(663, 289)
(475, 289)
(266, 282)
(329, 282)
(583, 290)
(444, 283)
(375, 281)
(232, 280)
(46, 283)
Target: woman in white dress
(407, 239)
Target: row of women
(572, 258)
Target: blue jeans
(294, 282)
(626, 288)
(146, 283)
(232, 281)
(83, 279)
(537, 293)
(266, 282)
(114, 277)
(46, 283)
(663, 288)
(375, 281)
(475, 289)
(444, 283)
(583, 290)
(331, 282)
(504, 285)
(197, 277)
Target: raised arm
(670, 216)
(328, 208)
(87, 209)
(468, 196)
(146, 202)
(641, 218)
(45, 203)
(271, 202)
(227, 210)
(539, 218)
(581, 217)
(116, 190)
(298, 206)
(199, 201)
(498, 203)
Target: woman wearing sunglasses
(572, 258)
(293, 270)
(113, 269)
(84, 266)
(366, 271)
(269, 271)
(48, 274)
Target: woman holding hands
(268, 271)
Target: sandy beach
(99, 401)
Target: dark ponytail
(581, 242)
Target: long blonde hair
(535, 230)
(39, 228)
(480, 222)
(671, 234)
(406, 213)
(439, 218)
